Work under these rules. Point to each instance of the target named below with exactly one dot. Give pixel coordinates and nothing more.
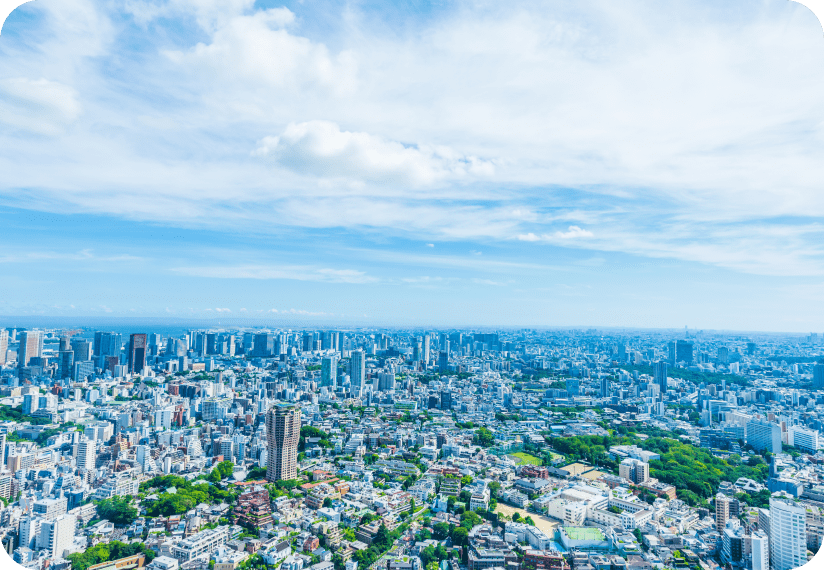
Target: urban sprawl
(373, 449)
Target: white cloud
(256, 50)
(320, 148)
(299, 273)
(38, 105)
(620, 116)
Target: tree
(440, 531)
(460, 536)
(528, 520)
(226, 468)
(117, 510)
(327, 502)
(484, 437)
(516, 516)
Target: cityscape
(520, 449)
(411, 285)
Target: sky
(444, 163)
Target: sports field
(527, 459)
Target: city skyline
(686, 192)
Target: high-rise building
(446, 399)
(31, 346)
(263, 345)
(56, 536)
(818, 376)
(137, 353)
(426, 346)
(357, 373)
(803, 438)
(684, 351)
(107, 343)
(722, 511)
(788, 534)
(65, 363)
(605, 386)
(660, 375)
(82, 349)
(329, 371)
(443, 360)
(282, 434)
(4, 345)
(86, 454)
(764, 435)
(386, 381)
(760, 548)
(573, 386)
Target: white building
(788, 534)
(760, 550)
(57, 536)
(803, 438)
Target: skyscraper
(107, 343)
(788, 534)
(82, 349)
(660, 371)
(65, 363)
(358, 371)
(605, 386)
(86, 454)
(31, 346)
(443, 360)
(818, 374)
(329, 371)
(4, 345)
(282, 434)
(683, 351)
(137, 353)
(56, 535)
(426, 346)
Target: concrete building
(282, 434)
(788, 534)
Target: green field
(527, 459)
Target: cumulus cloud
(321, 148)
(256, 49)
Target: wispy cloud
(296, 272)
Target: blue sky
(605, 163)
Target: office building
(660, 376)
(107, 343)
(357, 373)
(137, 353)
(31, 346)
(264, 344)
(764, 435)
(82, 349)
(4, 345)
(386, 381)
(788, 534)
(65, 363)
(818, 376)
(605, 387)
(443, 361)
(684, 351)
(282, 434)
(446, 400)
(329, 371)
(426, 349)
